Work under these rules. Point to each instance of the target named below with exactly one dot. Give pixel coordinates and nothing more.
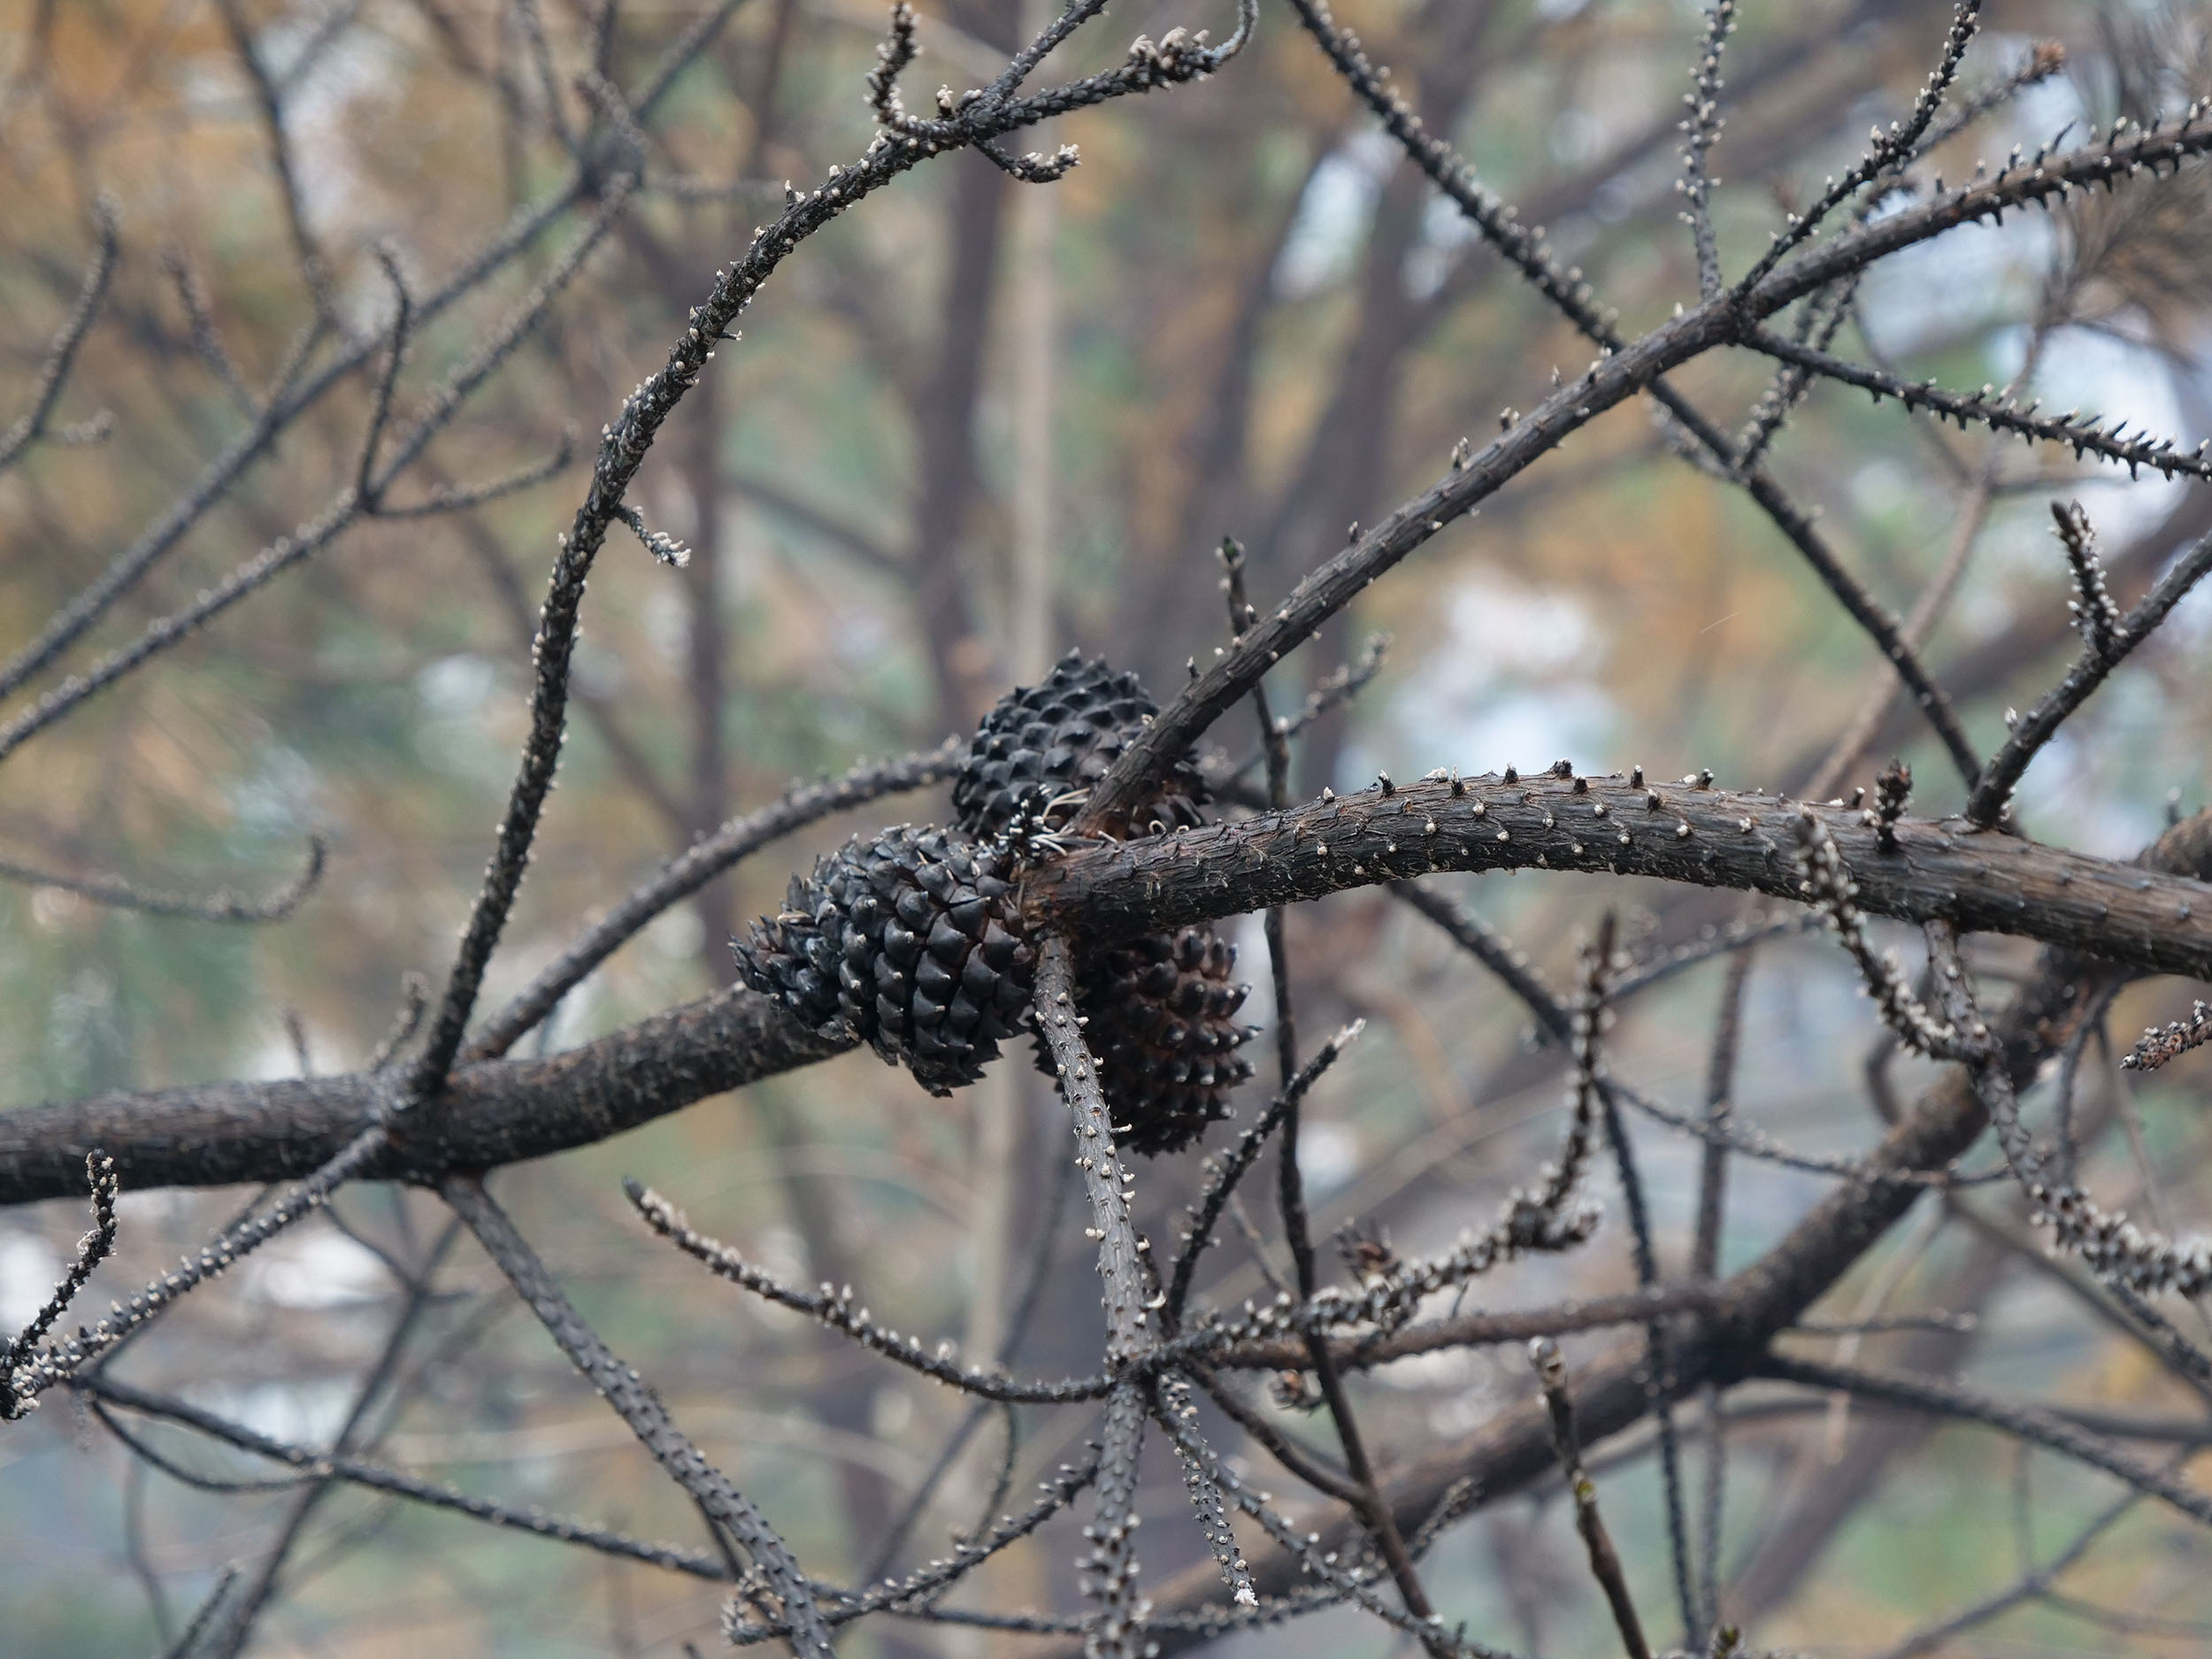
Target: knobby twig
(2107, 641)
(312, 1461)
(33, 1373)
(92, 1249)
(53, 373)
(221, 906)
(788, 1597)
(1605, 1562)
(1700, 133)
(2161, 1044)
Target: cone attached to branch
(1161, 1009)
(909, 940)
(1044, 746)
(1163, 1024)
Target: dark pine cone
(1163, 1023)
(906, 941)
(1060, 738)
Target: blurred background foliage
(1240, 315)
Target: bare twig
(1993, 793)
(221, 906)
(314, 271)
(461, 498)
(310, 538)
(836, 1308)
(1225, 1173)
(2084, 436)
(1605, 1562)
(2023, 1422)
(92, 1249)
(207, 338)
(53, 374)
(788, 1595)
(1884, 149)
(33, 1373)
(366, 485)
(313, 1460)
(1701, 133)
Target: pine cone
(1161, 1012)
(907, 940)
(1057, 739)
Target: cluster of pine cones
(910, 940)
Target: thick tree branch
(1981, 882)
(492, 1113)
(504, 1111)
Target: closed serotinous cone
(1051, 742)
(1162, 1013)
(907, 940)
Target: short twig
(1605, 1562)
(92, 1249)
(221, 906)
(54, 373)
(726, 1508)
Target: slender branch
(92, 1249)
(1993, 793)
(53, 374)
(724, 1507)
(1605, 1562)
(221, 906)
(1702, 132)
(461, 498)
(343, 1466)
(784, 504)
(2023, 1422)
(1886, 151)
(1172, 1404)
(207, 338)
(305, 247)
(34, 1374)
(1991, 409)
(310, 538)
(1491, 948)
(365, 483)
(1223, 1175)
(838, 1310)
(204, 1618)
(913, 1595)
